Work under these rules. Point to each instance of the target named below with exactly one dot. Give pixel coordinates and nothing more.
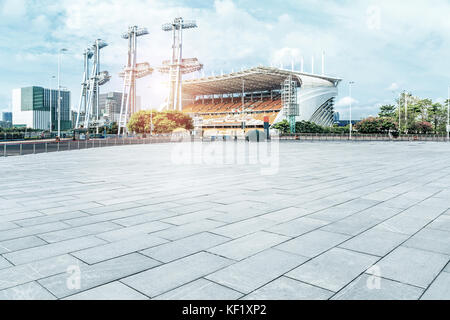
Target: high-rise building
(110, 103)
(32, 107)
(7, 117)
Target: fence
(364, 137)
(24, 148)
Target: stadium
(240, 101)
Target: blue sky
(384, 46)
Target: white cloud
(345, 102)
(393, 87)
(13, 8)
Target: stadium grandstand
(240, 101)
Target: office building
(36, 108)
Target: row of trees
(163, 121)
(420, 116)
(309, 127)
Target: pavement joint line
(381, 258)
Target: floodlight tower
(130, 73)
(289, 101)
(178, 66)
(82, 104)
(90, 93)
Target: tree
(137, 121)
(113, 129)
(437, 115)
(163, 122)
(422, 127)
(376, 125)
(282, 126)
(182, 120)
(309, 127)
(387, 111)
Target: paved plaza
(313, 220)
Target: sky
(384, 46)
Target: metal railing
(364, 137)
(26, 148)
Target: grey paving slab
(286, 214)
(27, 291)
(17, 275)
(238, 215)
(51, 218)
(144, 218)
(98, 274)
(52, 250)
(186, 230)
(193, 216)
(423, 211)
(256, 271)
(334, 269)
(156, 281)
(242, 228)
(430, 240)
(183, 247)
(129, 232)
(78, 232)
(375, 242)
(29, 231)
(441, 223)
(412, 266)
(297, 227)
(370, 287)
(246, 246)
(111, 291)
(20, 243)
(4, 263)
(403, 224)
(313, 243)
(200, 289)
(380, 211)
(289, 289)
(439, 289)
(16, 217)
(352, 225)
(116, 249)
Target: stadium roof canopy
(258, 79)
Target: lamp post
(59, 90)
(448, 114)
(399, 115)
(50, 105)
(350, 94)
(406, 113)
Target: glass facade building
(37, 107)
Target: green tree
(163, 122)
(422, 127)
(437, 115)
(387, 111)
(376, 125)
(282, 126)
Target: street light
(59, 90)
(406, 113)
(350, 94)
(50, 108)
(448, 114)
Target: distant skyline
(384, 46)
